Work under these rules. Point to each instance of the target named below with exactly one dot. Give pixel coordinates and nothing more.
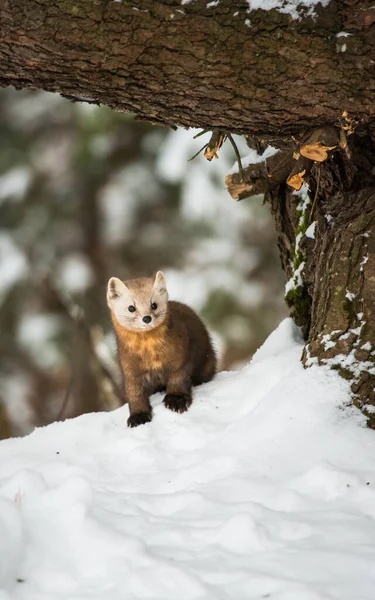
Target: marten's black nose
(146, 319)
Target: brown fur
(175, 355)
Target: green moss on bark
(297, 297)
(299, 301)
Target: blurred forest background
(87, 193)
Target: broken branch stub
(288, 166)
(316, 151)
(300, 170)
(296, 181)
(316, 148)
(260, 178)
(319, 144)
(239, 190)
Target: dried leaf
(350, 123)
(214, 146)
(296, 181)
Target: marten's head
(138, 304)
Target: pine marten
(163, 345)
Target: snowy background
(86, 193)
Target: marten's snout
(146, 319)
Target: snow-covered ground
(264, 489)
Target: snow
(310, 231)
(296, 280)
(253, 157)
(364, 261)
(263, 489)
(327, 342)
(305, 200)
(349, 295)
(349, 361)
(290, 7)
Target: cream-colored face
(138, 304)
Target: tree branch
(196, 65)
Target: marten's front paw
(177, 402)
(139, 419)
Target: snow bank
(264, 489)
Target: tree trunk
(339, 272)
(326, 239)
(305, 82)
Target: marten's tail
(208, 371)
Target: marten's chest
(150, 354)
(144, 352)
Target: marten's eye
(131, 308)
(154, 306)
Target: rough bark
(197, 64)
(339, 271)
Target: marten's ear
(115, 289)
(159, 283)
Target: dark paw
(177, 402)
(139, 419)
